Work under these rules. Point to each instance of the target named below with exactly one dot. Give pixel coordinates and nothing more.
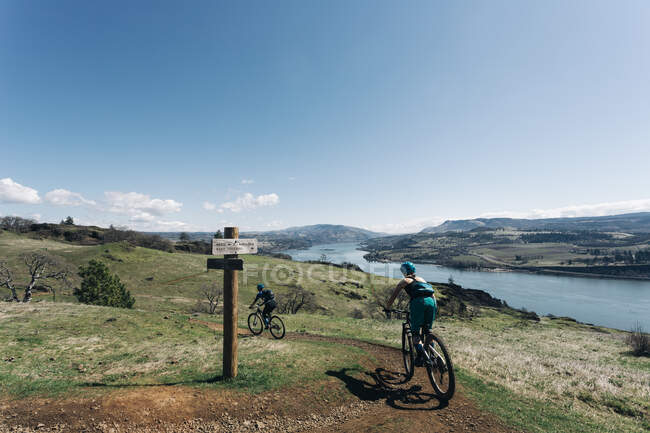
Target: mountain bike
(256, 324)
(440, 369)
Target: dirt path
(347, 402)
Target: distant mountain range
(632, 222)
(306, 236)
(323, 233)
(292, 237)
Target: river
(607, 302)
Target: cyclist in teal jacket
(423, 306)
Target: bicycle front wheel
(255, 323)
(408, 352)
(440, 369)
(276, 326)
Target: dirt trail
(347, 402)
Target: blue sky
(386, 115)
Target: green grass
(52, 349)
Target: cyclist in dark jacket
(269, 303)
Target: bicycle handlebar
(396, 311)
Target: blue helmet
(407, 268)
(260, 286)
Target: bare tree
(639, 340)
(16, 224)
(296, 299)
(213, 295)
(7, 280)
(42, 268)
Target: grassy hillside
(162, 281)
(546, 375)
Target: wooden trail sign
(231, 265)
(234, 246)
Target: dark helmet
(260, 286)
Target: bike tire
(441, 374)
(255, 323)
(276, 326)
(408, 353)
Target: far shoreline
(541, 271)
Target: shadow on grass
(634, 355)
(376, 389)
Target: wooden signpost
(230, 247)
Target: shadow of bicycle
(381, 386)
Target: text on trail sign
(234, 246)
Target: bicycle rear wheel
(441, 370)
(276, 326)
(255, 323)
(408, 352)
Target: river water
(606, 302)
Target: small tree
(213, 295)
(99, 287)
(184, 237)
(218, 235)
(68, 221)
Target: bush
(295, 299)
(377, 301)
(99, 287)
(639, 341)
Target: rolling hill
(633, 222)
(293, 237)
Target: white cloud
(13, 192)
(142, 217)
(291, 178)
(209, 206)
(410, 226)
(167, 226)
(248, 201)
(584, 210)
(247, 181)
(133, 203)
(36, 217)
(170, 226)
(63, 197)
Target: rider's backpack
(419, 289)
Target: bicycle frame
(408, 331)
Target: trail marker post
(231, 246)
